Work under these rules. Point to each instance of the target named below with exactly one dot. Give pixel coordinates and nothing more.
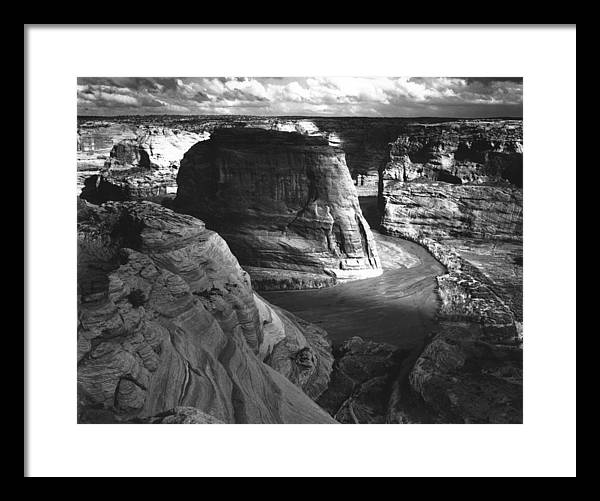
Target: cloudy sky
(320, 96)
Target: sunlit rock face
(167, 318)
(365, 141)
(284, 202)
(142, 167)
(458, 180)
(155, 148)
(456, 190)
(444, 211)
(139, 161)
(95, 140)
(305, 127)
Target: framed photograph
(264, 233)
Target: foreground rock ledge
(168, 319)
(284, 202)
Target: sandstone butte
(127, 160)
(284, 202)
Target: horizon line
(147, 115)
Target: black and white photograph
(279, 248)
(328, 260)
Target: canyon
(467, 210)
(313, 270)
(365, 141)
(168, 319)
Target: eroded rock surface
(180, 415)
(362, 381)
(457, 192)
(284, 202)
(473, 152)
(467, 374)
(167, 319)
(140, 167)
(365, 141)
(443, 212)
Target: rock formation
(142, 167)
(168, 319)
(361, 382)
(284, 202)
(472, 152)
(180, 415)
(365, 141)
(95, 140)
(456, 191)
(443, 211)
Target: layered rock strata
(135, 154)
(168, 319)
(140, 167)
(365, 141)
(457, 192)
(284, 202)
(443, 211)
(95, 140)
(471, 152)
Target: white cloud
(399, 96)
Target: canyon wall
(167, 321)
(137, 159)
(140, 167)
(465, 152)
(443, 211)
(284, 202)
(365, 141)
(456, 190)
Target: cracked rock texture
(167, 319)
(284, 202)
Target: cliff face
(443, 211)
(428, 143)
(456, 190)
(365, 142)
(154, 148)
(140, 167)
(473, 152)
(471, 369)
(168, 319)
(284, 202)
